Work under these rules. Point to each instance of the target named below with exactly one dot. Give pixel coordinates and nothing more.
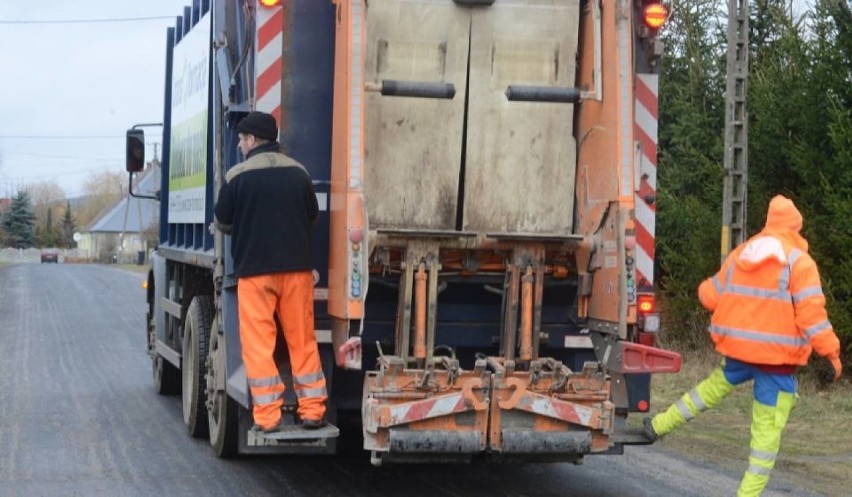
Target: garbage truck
(484, 256)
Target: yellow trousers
(775, 395)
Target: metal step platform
(294, 434)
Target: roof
(132, 214)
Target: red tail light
(647, 304)
(649, 320)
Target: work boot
(650, 434)
(314, 424)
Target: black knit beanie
(259, 124)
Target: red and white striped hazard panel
(645, 132)
(269, 47)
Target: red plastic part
(348, 355)
(637, 358)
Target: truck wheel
(166, 376)
(196, 334)
(222, 410)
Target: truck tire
(196, 335)
(222, 410)
(165, 375)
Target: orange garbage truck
(484, 257)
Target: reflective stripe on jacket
(767, 303)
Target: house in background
(125, 231)
(5, 203)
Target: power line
(70, 172)
(86, 21)
(62, 137)
(69, 157)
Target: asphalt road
(78, 416)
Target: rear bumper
(550, 413)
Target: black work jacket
(268, 205)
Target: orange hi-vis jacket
(767, 302)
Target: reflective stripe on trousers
(310, 385)
(706, 395)
(266, 390)
(291, 296)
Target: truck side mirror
(135, 150)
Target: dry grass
(136, 268)
(816, 447)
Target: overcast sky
(87, 82)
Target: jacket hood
(778, 237)
(783, 215)
(760, 250)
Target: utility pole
(736, 129)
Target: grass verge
(816, 446)
(136, 268)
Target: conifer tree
(49, 233)
(66, 230)
(19, 222)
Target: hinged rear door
(521, 156)
(413, 145)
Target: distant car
(48, 256)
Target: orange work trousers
(291, 294)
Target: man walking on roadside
(268, 205)
(768, 315)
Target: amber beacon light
(654, 15)
(270, 3)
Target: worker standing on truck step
(268, 205)
(768, 313)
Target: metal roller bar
(435, 441)
(550, 94)
(531, 442)
(416, 89)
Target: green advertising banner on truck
(188, 155)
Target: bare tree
(45, 195)
(100, 191)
